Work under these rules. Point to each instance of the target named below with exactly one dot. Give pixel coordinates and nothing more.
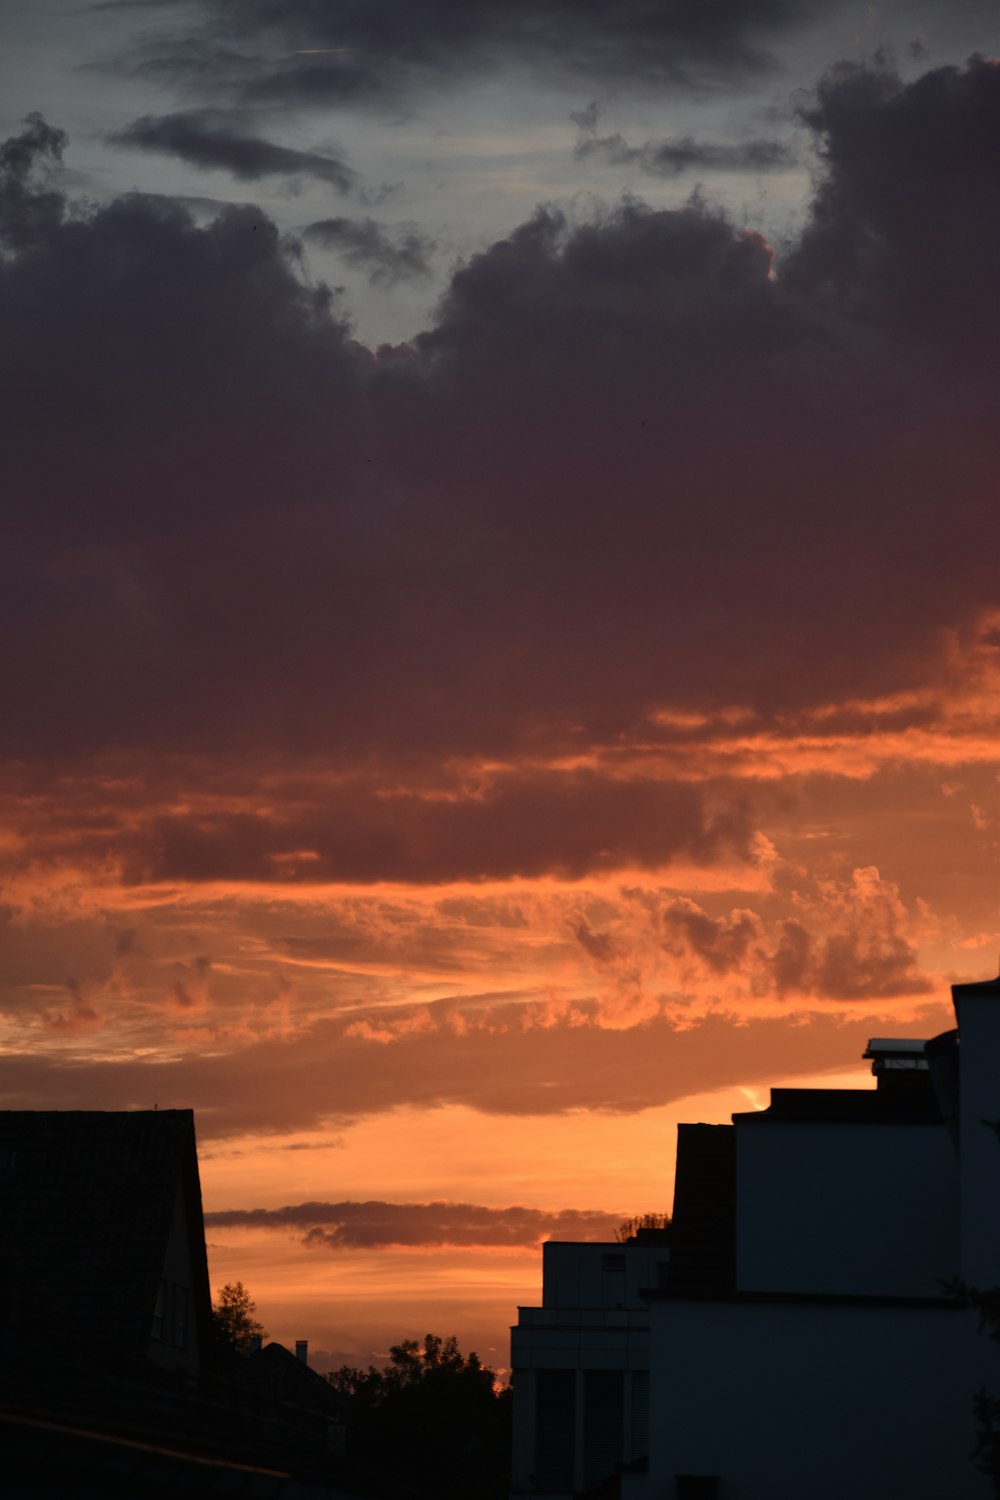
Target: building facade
(810, 1336)
(581, 1364)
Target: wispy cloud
(669, 158)
(217, 140)
(388, 253)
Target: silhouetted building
(581, 1364)
(807, 1339)
(807, 1342)
(102, 1241)
(275, 1372)
(113, 1382)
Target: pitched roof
(282, 1374)
(87, 1200)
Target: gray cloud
(377, 1225)
(214, 140)
(906, 220)
(29, 208)
(388, 253)
(306, 53)
(670, 158)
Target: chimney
(302, 1350)
(256, 1342)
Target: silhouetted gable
(281, 1374)
(87, 1204)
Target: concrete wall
(788, 1401)
(852, 1209)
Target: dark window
(182, 1317)
(603, 1424)
(640, 1413)
(555, 1432)
(159, 1312)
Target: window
(182, 1317)
(160, 1312)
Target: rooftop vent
(900, 1066)
(896, 1054)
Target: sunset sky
(501, 642)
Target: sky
(501, 631)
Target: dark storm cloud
(672, 157)
(375, 1225)
(388, 253)
(327, 1075)
(628, 465)
(29, 208)
(213, 140)
(906, 222)
(307, 52)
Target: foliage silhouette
(233, 1318)
(628, 1227)
(433, 1422)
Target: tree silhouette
(434, 1421)
(233, 1318)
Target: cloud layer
(450, 713)
(375, 1225)
(304, 53)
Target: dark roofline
(844, 1107)
(201, 1291)
(980, 987)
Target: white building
(805, 1344)
(581, 1364)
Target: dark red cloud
(538, 824)
(629, 465)
(201, 822)
(376, 1225)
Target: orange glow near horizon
(524, 1039)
